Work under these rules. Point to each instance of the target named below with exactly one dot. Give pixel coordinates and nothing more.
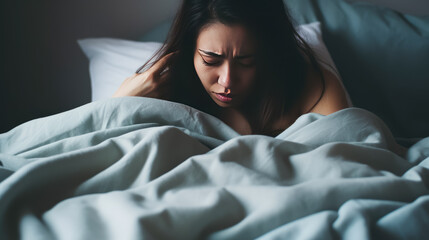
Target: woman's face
(224, 60)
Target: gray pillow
(382, 56)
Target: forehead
(225, 39)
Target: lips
(224, 97)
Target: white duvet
(138, 168)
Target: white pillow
(312, 34)
(112, 60)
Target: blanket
(141, 168)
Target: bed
(142, 168)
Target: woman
(241, 61)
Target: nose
(225, 76)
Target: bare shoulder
(334, 96)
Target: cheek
(206, 76)
(248, 77)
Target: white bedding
(138, 168)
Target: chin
(226, 105)
(223, 105)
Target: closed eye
(212, 59)
(210, 62)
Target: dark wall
(43, 71)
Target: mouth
(224, 97)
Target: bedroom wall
(44, 72)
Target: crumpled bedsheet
(141, 168)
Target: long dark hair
(283, 57)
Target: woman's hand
(151, 83)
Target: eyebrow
(219, 56)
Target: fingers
(151, 83)
(160, 66)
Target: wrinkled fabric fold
(140, 168)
